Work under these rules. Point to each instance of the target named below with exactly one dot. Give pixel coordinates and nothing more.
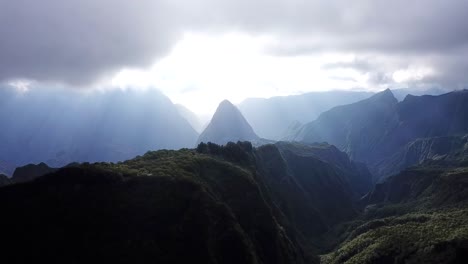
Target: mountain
(30, 172)
(446, 149)
(270, 117)
(26, 173)
(191, 117)
(277, 203)
(395, 231)
(357, 128)
(400, 94)
(216, 204)
(59, 126)
(374, 130)
(227, 124)
(429, 186)
(353, 174)
(4, 180)
(418, 215)
(309, 186)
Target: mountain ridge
(373, 130)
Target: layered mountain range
(228, 204)
(270, 117)
(375, 181)
(59, 127)
(378, 129)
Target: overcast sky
(200, 52)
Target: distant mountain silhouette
(31, 172)
(400, 94)
(62, 126)
(227, 124)
(270, 117)
(373, 130)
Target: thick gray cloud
(79, 41)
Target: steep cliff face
(448, 149)
(430, 186)
(355, 174)
(358, 129)
(378, 131)
(310, 194)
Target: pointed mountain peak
(384, 96)
(387, 93)
(225, 103)
(226, 107)
(226, 110)
(227, 124)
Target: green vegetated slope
(278, 203)
(417, 216)
(167, 206)
(232, 204)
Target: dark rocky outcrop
(31, 172)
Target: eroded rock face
(447, 149)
